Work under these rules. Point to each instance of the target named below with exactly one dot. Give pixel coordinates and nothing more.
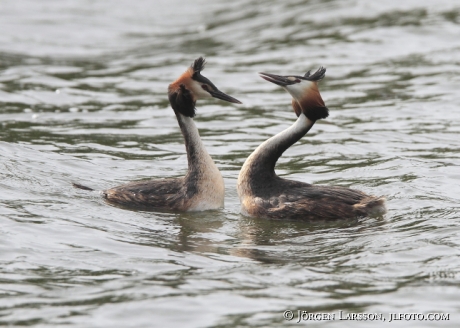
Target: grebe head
(191, 86)
(306, 98)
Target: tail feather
(80, 186)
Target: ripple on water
(82, 92)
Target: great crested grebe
(264, 194)
(202, 188)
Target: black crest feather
(318, 75)
(198, 65)
(182, 101)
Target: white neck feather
(260, 165)
(197, 153)
(202, 169)
(300, 127)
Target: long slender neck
(197, 156)
(261, 163)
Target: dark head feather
(318, 75)
(317, 113)
(181, 101)
(198, 65)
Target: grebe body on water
(202, 188)
(264, 194)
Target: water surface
(83, 98)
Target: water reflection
(265, 241)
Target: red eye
(205, 87)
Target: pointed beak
(220, 95)
(279, 80)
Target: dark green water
(83, 98)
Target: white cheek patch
(198, 90)
(299, 90)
